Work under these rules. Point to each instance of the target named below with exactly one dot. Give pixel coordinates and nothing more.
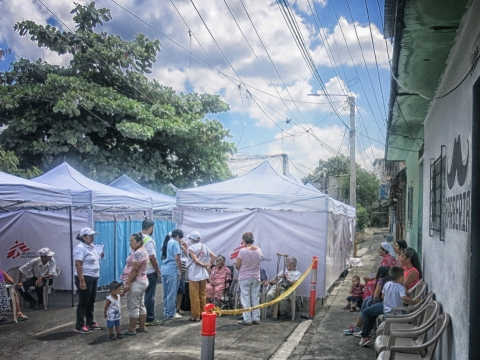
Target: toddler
(112, 310)
(356, 298)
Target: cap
(45, 252)
(194, 235)
(87, 231)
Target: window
(437, 195)
(410, 207)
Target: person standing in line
(136, 283)
(171, 270)
(153, 271)
(248, 266)
(87, 272)
(198, 274)
(183, 279)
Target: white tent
(35, 215)
(87, 192)
(285, 217)
(16, 192)
(161, 203)
(108, 210)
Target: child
(112, 310)
(393, 294)
(356, 297)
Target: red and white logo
(234, 255)
(17, 250)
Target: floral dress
(389, 260)
(4, 303)
(218, 276)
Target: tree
(339, 167)
(102, 115)
(9, 163)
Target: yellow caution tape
(287, 293)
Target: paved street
(50, 332)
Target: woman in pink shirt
(248, 266)
(136, 282)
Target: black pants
(86, 301)
(38, 289)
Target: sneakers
(177, 316)
(358, 334)
(254, 322)
(352, 329)
(244, 323)
(38, 307)
(83, 330)
(112, 337)
(365, 341)
(94, 326)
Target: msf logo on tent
(21, 250)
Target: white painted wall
(446, 264)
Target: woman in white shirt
(87, 272)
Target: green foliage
(9, 164)
(339, 166)
(362, 218)
(103, 116)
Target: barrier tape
(287, 293)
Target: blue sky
(264, 78)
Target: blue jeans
(170, 287)
(250, 292)
(365, 304)
(369, 316)
(150, 296)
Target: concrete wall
(446, 263)
(413, 181)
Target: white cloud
(344, 39)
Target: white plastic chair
(11, 297)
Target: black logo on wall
(457, 168)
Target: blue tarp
(112, 266)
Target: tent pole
(71, 249)
(115, 246)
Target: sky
(263, 58)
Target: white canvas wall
(446, 263)
(299, 234)
(34, 230)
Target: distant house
(434, 126)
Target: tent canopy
(87, 192)
(18, 192)
(161, 202)
(335, 206)
(261, 188)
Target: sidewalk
(324, 338)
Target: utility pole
(353, 165)
(285, 164)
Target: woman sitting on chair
(218, 277)
(4, 305)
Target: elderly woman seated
(218, 277)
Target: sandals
(140, 330)
(128, 333)
(22, 318)
(194, 319)
(112, 337)
(180, 311)
(3, 318)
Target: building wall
(447, 263)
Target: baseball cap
(87, 231)
(194, 235)
(45, 252)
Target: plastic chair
(11, 297)
(417, 320)
(395, 352)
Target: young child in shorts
(112, 310)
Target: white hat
(87, 231)
(194, 235)
(45, 252)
